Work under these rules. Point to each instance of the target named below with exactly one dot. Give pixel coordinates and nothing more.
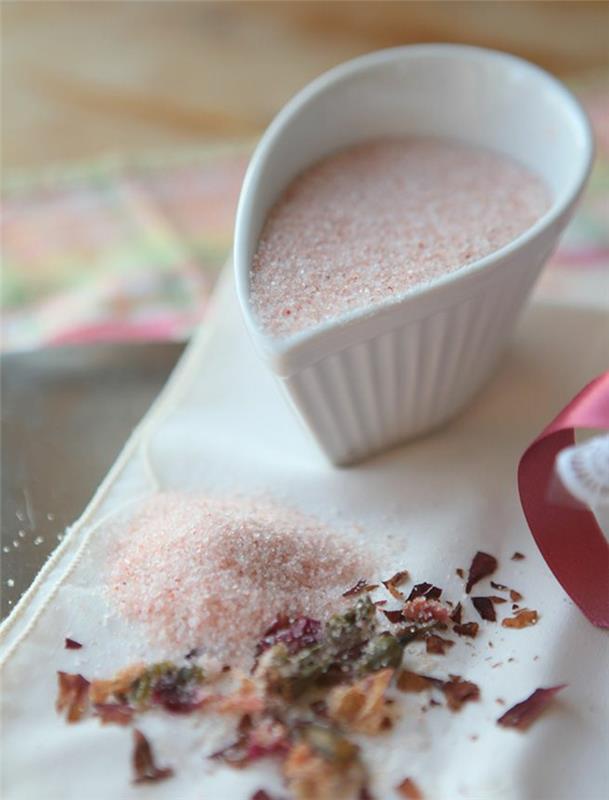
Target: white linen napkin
(222, 426)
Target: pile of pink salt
(215, 573)
(375, 220)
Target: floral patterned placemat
(120, 250)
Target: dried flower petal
(361, 586)
(482, 566)
(324, 766)
(144, 768)
(515, 596)
(458, 692)
(408, 681)
(72, 695)
(522, 619)
(460, 572)
(484, 607)
(396, 580)
(296, 633)
(517, 556)
(467, 629)
(437, 645)
(494, 598)
(501, 587)
(523, 715)
(72, 644)
(457, 614)
(116, 713)
(425, 589)
(393, 616)
(409, 790)
(362, 706)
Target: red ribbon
(569, 537)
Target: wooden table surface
(82, 79)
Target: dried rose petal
(361, 586)
(501, 587)
(460, 572)
(482, 566)
(142, 759)
(456, 615)
(437, 645)
(116, 713)
(458, 692)
(409, 789)
(395, 581)
(261, 795)
(524, 714)
(517, 556)
(393, 616)
(427, 590)
(515, 596)
(296, 634)
(421, 609)
(522, 619)
(467, 629)
(72, 644)
(496, 599)
(73, 695)
(484, 607)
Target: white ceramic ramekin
(379, 376)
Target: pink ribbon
(569, 537)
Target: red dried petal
(409, 789)
(501, 587)
(515, 596)
(457, 613)
(261, 795)
(517, 556)
(460, 572)
(72, 644)
(467, 629)
(73, 695)
(522, 619)
(116, 713)
(458, 692)
(393, 616)
(427, 590)
(523, 715)
(361, 586)
(437, 645)
(144, 768)
(295, 633)
(482, 566)
(496, 599)
(484, 607)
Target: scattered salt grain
(373, 221)
(214, 574)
